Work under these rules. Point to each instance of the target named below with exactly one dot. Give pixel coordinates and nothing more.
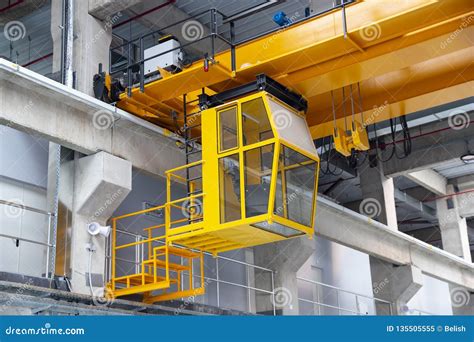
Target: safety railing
(133, 65)
(212, 274)
(320, 300)
(18, 213)
(158, 271)
(190, 206)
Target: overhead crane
(326, 72)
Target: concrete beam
(466, 204)
(35, 104)
(357, 231)
(430, 180)
(285, 258)
(396, 284)
(101, 9)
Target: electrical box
(169, 60)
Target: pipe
(448, 196)
(68, 38)
(37, 60)
(10, 6)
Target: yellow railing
(155, 270)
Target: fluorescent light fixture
(468, 158)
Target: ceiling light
(468, 158)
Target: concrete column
(102, 181)
(455, 238)
(285, 258)
(396, 284)
(92, 38)
(52, 191)
(453, 227)
(378, 198)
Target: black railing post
(129, 70)
(213, 25)
(142, 66)
(232, 47)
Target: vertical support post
(142, 66)
(248, 289)
(48, 247)
(213, 25)
(137, 253)
(344, 21)
(217, 282)
(129, 70)
(114, 239)
(232, 47)
(273, 294)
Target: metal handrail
(49, 246)
(218, 281)
(25, 207)
(340, 290)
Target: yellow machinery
(256, 184)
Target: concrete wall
(23, 175)
(432, 298)
(23, 157)
(338, 266)
(349, 269)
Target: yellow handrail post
(114, 237)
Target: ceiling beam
(429, 179)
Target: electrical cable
(89, 269)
